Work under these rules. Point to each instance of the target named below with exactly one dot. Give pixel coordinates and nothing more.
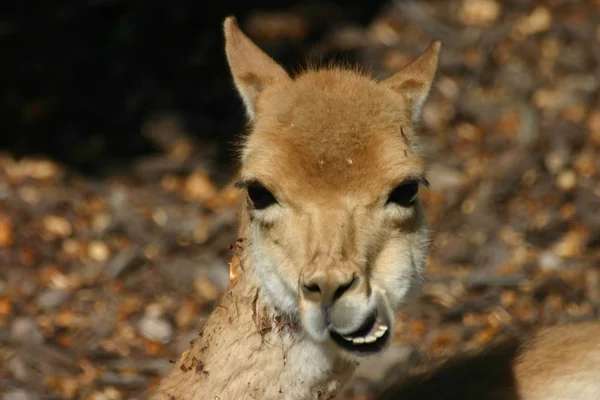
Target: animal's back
(561, 363)
(557, 363)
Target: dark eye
(260, 197)
(405, 195)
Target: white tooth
(358, 340)
(370, 339)
(382, 328)
(348, 338)
(379, 333)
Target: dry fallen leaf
(6, 307)
(6, 231)
(235, 270)
(98, 251)
(199, 187)
(153, 348)
(187, 313)
(206, 289)
(479, 12)
(57, 225)
(539, 20)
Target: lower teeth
(378, 332)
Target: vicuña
(332, 238)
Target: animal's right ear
(252, 69)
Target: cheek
(398, 270)
(283, 249)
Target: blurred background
(116, 204)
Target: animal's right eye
(260, 197)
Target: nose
(326, 288)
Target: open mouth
(371, 337)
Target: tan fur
(332, 254)
(558, 363)
(561, 363)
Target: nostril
(313, 288)
(344, 288)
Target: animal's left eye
(405, 194)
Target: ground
(105, 278)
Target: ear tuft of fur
(229, 23)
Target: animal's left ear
(414, 81)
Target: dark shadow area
(82, 77)
(484, 376)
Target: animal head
(332, 173)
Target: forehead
(331, 131)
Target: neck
(266, 315)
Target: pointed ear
(252, 69)
(414, 81)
